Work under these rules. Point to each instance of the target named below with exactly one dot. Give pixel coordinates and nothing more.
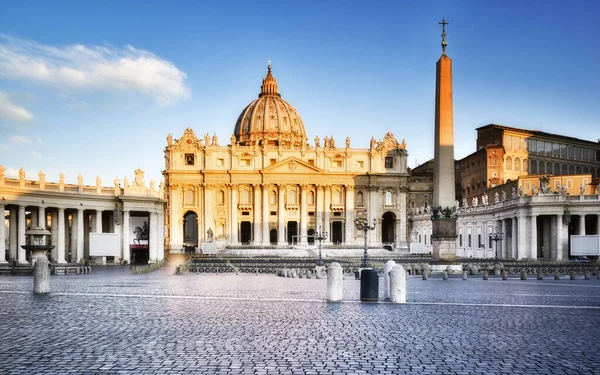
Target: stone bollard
(504, 275)
(294, 273)
(318, 271)
(445, 275)
(523, 275)
(485, 275)
(449, 270)
(309, 274)
(425, 275)
(41, 276)
(540, 275)
(556, 275)
(598, 275)
(572, 275)
(301, 274)
(398, 284)
(387, 267)
(464, 275)
(335, 276)
(474, 270)
(586, 275)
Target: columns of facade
(401, 234)
(210, 201)
(265, 215)
(514, 238)
(21, 236)
(598, 221)
(559, 237)
(125, 251)
(256, 210)
(547, 234)
(98, 221)
(42, 217)
(372, 214)
(161, 235)
(303, 214)
(61, 236)
(54, 234)
(153, 238)
(12, 234)
(502, 226)
(3, 236)
(522, 236)
(281, 215)
(581, 224)
(319, 207)
(233, 225)
(73, 243)
(349, 213)
(533, 241)
(34, 218)
(327, 213)
(80, 234)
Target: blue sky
(95, 87)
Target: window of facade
(311, 161)
(556, 150)
(549, 167)
(578, 169)
(220, 162)
(388, 198)
(563, 170)
(469, 241)
(245, 162)
(221, 197)
(542, 167)
(517, 165)
(311, 197)
(389, 162)
(273, 197)
(556, 169)
(556, 184)
(493, 160)
(360, 164)
(508, 163)
(525, 165)
(188, 197)
(527, 185)
(460, 240)
(563, 151)
(272, 161)
(336, 197)
(578, 153)
(570, 152)
(480, 244)
(337, 163)
(360, 199)
(571, 169)
(516, 143)
(189, 159)
(245, 196)
(548, 150)
(569, 183)
(292, 197)
(507, 141)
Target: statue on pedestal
(209, 235)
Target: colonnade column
(581, 224)
(504, 243)
(42, 217)
(125, 238)
(73, 244)
(303, 214)
(514, 238)
(349, 211)
(522, 236)
(34, 219)
(233, 231)
(256, 209)
(372, 214)
(21, 236)
(401, 235)
(281, 215)
(2, 236)
(98, 221)
(153, 240)
(559, 237)
(61, 236)
(160, 235)
(326, 223)
(533, 243)
(80, 229)
(598, 222)
(54, 234)
(265, 215)
(12, 234)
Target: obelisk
(444, 217)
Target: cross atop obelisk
(444, 43)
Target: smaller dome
(270, 119)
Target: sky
(95, 87)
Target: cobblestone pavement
(111, 322)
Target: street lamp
(320, 236)
(496, 236)
(363, 224)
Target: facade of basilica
(272, 187)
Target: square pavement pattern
(111, 322)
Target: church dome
(270, 119)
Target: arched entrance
(311, 236)
(245, 232)
(292, 232)
(388, 226)
(273, 236)
(337, 232)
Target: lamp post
(320, 236)
(363, 224)
(496, 236)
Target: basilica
(271, 187)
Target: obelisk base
(444, 238)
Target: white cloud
(40, 141)
(36, 155)
(81, 67)
(11, 111)
(11, 173)
(19, 139)
(79, 105)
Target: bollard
(504, 275)
(523, 275)
(572, 275)
(425, 275)
(485, 275)
(474, 270)
(598, 275)
(540, 275)
(369, 285)
(334, 282)
(586, 275)
(464, 275)
(389, 265)
(41, 276)
(556, 275)
(398, 284)
(445, 275)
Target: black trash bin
(369, 285)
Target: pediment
(292, 165)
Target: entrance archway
(311, 236)
(273, 236)
(245, 232)
(337, 232)
(292, 232)
(388, 226)
(190, 228)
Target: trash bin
(369, 285)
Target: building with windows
(122, 223)
(271, 187)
